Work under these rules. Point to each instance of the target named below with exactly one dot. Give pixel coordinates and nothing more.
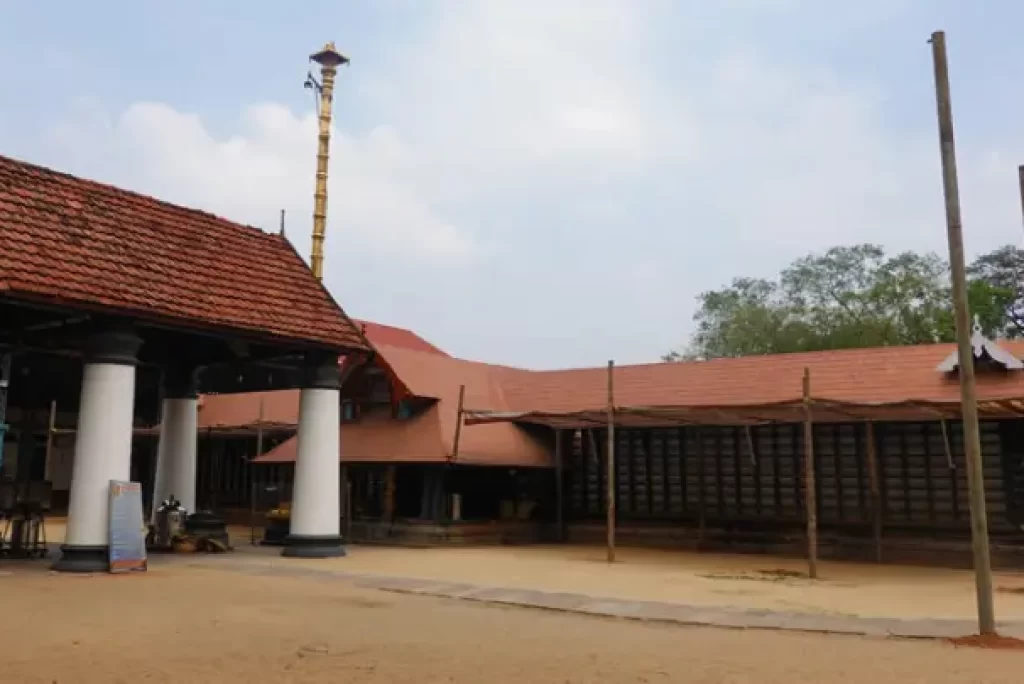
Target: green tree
(1003, 271)
(847, 297)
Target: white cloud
(567, 171)
(266, 166)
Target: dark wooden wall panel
(680, 473)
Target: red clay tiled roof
(430, 437)
(875, 376)
(390, 336)
(80, 243)
(886, 376)
(282, 407)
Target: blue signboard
(127, 527)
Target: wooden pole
(458, 423)
(968, 398)
(701, 491)
(348, 507)
(559, 495)
(49, 439)
(876, 490)
(810, 497)
(389, 494)
(1020, 181)
(252, 476)
(611, 463)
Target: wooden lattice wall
(686, 474)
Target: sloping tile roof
(282, 407)
(380, 439)
(440, 377)
(391, 336)
(77, 242)
(430, 437)
(880, 375)
(885, 376)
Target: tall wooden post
(559, 488)
(1020, 182)
(348, 504)
(458, 424)
(611, 463)
(51, 430)
(252, 476)
(871, 448)
(810, 495)
(968, 398)
(389, 494)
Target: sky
(541, 183)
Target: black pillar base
(75, 558)
(303, 546)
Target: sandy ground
(751, 581)
(182, 624)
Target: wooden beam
(954, 483)
(810, 493)
(559, 480)
(701, 497)
(458, 424)
(599, 474)
(647, 436)
(47, 465)
(389, 493)
(928, 480)
(346, 478)
(611, 463)
(876, 494)
(968, 390)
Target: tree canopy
(855, 296)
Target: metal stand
(24, 534)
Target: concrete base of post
(302, 546)
(75, 558)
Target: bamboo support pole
(871, 447)
(559, 494)
(701, 492)
(611, 463)
(810, 497)
(51, 430)
(968, 390)
(252, 478)
(458, 423)
(389, 493)
(750, 444)
(348, 506)
(947, 446)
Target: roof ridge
(846, 351)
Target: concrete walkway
(666, 612)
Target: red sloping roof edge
(74, 241)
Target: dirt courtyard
(748, 580)
(185, 624)
(703, 579)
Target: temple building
(120, 309)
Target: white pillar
(103, 448)
(176, 452)
(315, 530)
